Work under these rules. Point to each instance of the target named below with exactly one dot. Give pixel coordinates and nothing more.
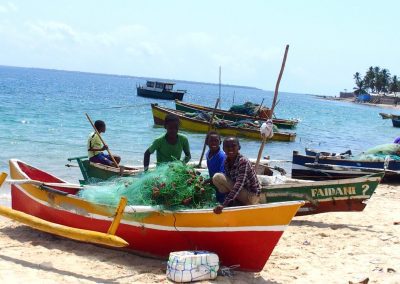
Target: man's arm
(146, 160)
(186, 150)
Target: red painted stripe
(334, 206)
(250, 249)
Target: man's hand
(218, 209)
(105, 147)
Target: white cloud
(8, 7)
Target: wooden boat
(324, 196)
(244, 236)
(228, 115)
(160, 90)
(396, 122)
(321, 167)
(388, 115)
(197, 125)
(320, 197)
(95, 172)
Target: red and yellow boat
(197, 125)
(244, 236)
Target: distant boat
(160, 90)
(388, 115)
(229, 115)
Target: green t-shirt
(94, 142)
(167, 152)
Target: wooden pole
(209, 128)
(219, 88)
(264, 138)
(102, 141)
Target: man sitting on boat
(215, 159)
(240, 180)
(170, 145)
(95, 147)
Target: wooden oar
(209, 128)
(102, 141)
(264, 138)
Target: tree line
(376, 80)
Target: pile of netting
(220, 123)
(250, 109)
(380, 153)
(171, 186)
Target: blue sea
(43, 118)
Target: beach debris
(390, 270)
(306, 243)
(188, 266)
(396, 223)
(365, 281)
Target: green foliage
(172, 186)
(376, 80)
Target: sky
(188, 40)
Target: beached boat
(197, 125)
(326, 167)
(244, 236)
(322, 196)
(228, 115)
(160, 90)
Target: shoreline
(351, 100)
(329, 247)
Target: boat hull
(306, 167)
(188, 107)
(190, 124)
(243, 235)
(326, 196)
(164, 95)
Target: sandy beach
(324, 248)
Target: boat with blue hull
(396, 121)
(325, 167)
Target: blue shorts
(102, 159)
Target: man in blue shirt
(215, 159)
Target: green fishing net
(380, 152)
(246, 108)
(171, 186)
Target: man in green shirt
(170, 145)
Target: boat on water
(388, 115)
(228, 115)
(316, 165)
(160, 90)
(319, 196)
(396, 121)
(244, 236)
(197, 125)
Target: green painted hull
(326, 196)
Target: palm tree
(394, 85)
(360, 86)
(369, 79)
